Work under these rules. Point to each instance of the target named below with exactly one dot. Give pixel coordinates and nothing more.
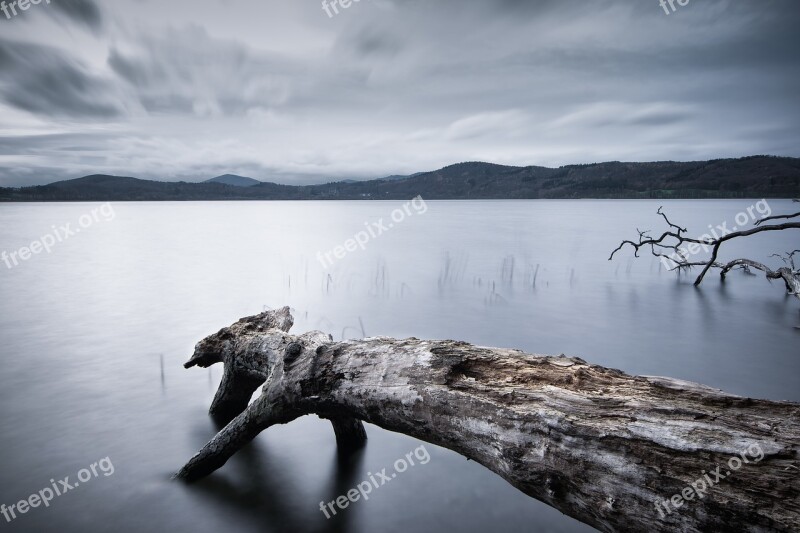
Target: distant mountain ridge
(754, 176)
(233, 179)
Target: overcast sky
(279, 91)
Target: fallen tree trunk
(618, 452)
(247, 367)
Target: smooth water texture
(94, 333)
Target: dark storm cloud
(85, 12)
(45, 81)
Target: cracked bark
(595, 443)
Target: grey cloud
(188, 71)
(370, 41)
(37, 144)
(660, 118)
(85, 12)
(15, 176)
(45, 81)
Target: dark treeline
(756, 176)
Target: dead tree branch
(682, 247)
(777, 217)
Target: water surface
(93, 336)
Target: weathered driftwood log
(247, 369)
(609, 449)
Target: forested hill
(756, 176)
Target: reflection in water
(257, 495)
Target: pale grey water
(83, 329)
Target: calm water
(93, 336)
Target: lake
(94, 333)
